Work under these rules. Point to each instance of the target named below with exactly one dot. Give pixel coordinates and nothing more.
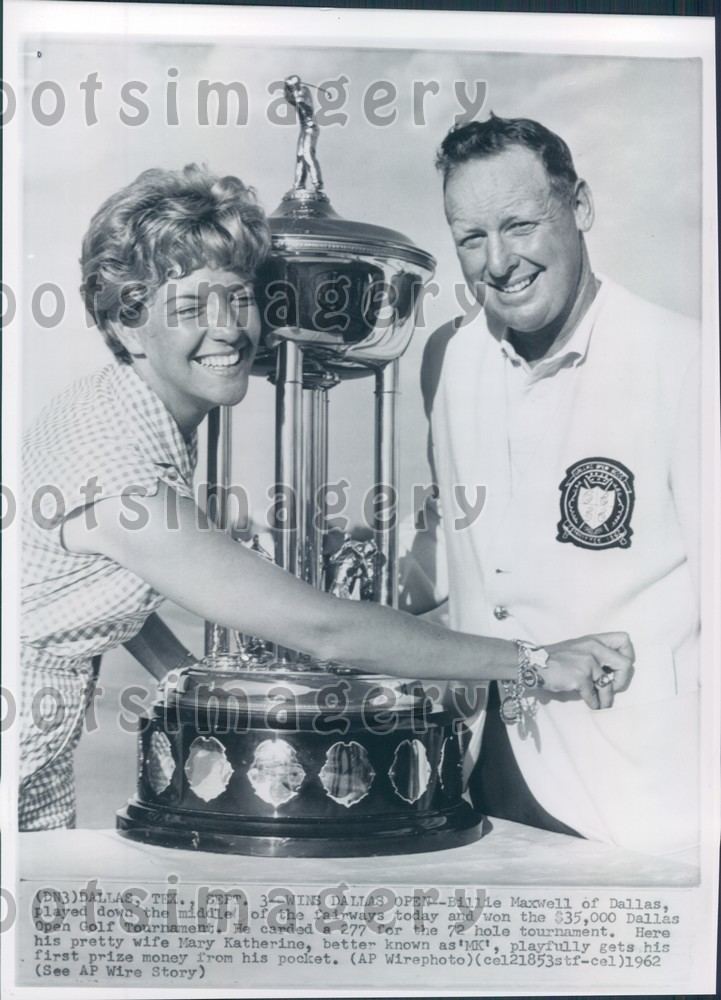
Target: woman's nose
(223, 317)
(217, 313)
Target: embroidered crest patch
(597, 500)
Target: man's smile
(514, 287)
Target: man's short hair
(163, 226)
(477, 140)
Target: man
(574, 402)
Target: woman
(168, 268)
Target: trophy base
(300, 765)
(456, 828)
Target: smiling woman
(169, 265)
(196, 346)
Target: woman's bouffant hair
(164, 225)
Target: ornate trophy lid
(305, 219)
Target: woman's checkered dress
(108, 435)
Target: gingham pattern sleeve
(108, 435)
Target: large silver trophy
(260, 750)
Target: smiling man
(574, 402)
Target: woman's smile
(228, 363)
(222, 364)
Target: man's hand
(594, 665)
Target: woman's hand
(594, 665)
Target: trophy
(259, 749)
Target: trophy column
(217, 637)
(385, 529)
(288, 504)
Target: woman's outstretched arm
(202, 569)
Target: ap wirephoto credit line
(360, 502)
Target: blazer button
(500, 612)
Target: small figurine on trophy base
(351, 570)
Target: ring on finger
(605, 679)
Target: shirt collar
(572, 353)
(152, 425)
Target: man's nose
(500, 260)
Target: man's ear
(129, 337)
(583, 206)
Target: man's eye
(472, 241)
(242, 300)
(189, 312)
(523, 228)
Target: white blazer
(594, 529)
